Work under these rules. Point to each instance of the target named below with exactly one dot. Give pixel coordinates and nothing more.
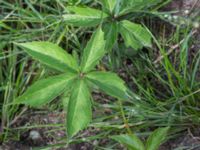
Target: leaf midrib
(85, 17)
(56, 83)
(80, 85)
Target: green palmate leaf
(131, 141)
(84, 16)
(79, 108)
(45, 90)
(94, 51)
(110, 83)
(109, 4)
(156, 138)
(129, 39)
(111, 33)
(138, 32)
(50, 55)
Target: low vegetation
(99, 74)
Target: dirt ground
(41, 136)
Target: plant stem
(124, 118)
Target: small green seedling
(132, 142)
(114, 17)
(74, 78)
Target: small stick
(18, 116)
(171, 50)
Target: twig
(18, 116)
(171, 49)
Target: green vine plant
(75, 78)
(132, 142)
(114, 17)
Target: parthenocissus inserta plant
(114, 17)
(74, 78)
